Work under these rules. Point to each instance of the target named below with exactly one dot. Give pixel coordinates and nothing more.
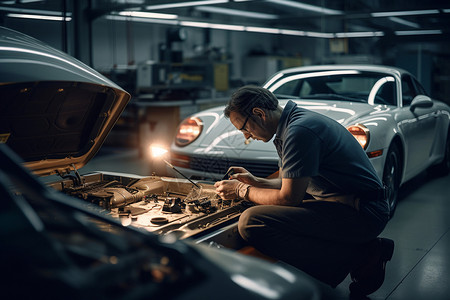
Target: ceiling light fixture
(292, 32)
(262, 29)
(309, 7)
(404, 22)
(325, 35)
(319, 34)
(227, 27)
(235, 12)
(195, 24)
(404, 13)
(142, 20)
(418, 32)
(30, 1)
(39, 17)
(359, 34)
(150, 15)
(185, 4)
(33, 11)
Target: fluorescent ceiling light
(404, 22)
(130, 1)
(195, 24)
(262, 29)
(228, 27)
(184, 4)
(359, 34)
(446, 10)
(142, 20)
(141, 14)
(404, 13)
(39, 17)
(34, 11)
(418, 32)
(292, 32)
(235, 12)
(325, 35)
(319, 34)
(300, 5)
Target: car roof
(372, 68)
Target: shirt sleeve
(301, 153)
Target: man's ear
(259, 112)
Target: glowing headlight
(361, 134)
(188, 131)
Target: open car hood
(55, 112)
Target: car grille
(219, 165)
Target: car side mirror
(421, 101)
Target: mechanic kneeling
(324, 213)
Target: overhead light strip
(235, 12)
(33, 11)
(359, 34)
(149, 15)
(404, 22)
(262, 29)
(418, 32)
(185, 4)
(218, 26)
(39, 17)
(309, 7)
(143, 20)
(405, 13)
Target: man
(324, 212)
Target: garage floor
(420, 267)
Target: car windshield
(343, 85)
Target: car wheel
(391, 176)
(443, 168)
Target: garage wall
(114, 40)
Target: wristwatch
(247, 189)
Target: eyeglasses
(245, 123)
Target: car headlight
(361, 134)
(188, 131)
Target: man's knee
(249, 222)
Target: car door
(418, 126)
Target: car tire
(391, 176)
(443, 168)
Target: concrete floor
(420, 267)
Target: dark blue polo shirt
(313, 145)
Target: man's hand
(231, 189)
(243, 175)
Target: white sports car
(402, 130)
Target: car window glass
(386, 94)
(289, 88)
(306, 89)
(419, 87)
(408, 92)
(342, 85)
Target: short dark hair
(248, 97)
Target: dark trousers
(323, 239)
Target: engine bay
(157, 204)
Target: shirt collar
(282, 123)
